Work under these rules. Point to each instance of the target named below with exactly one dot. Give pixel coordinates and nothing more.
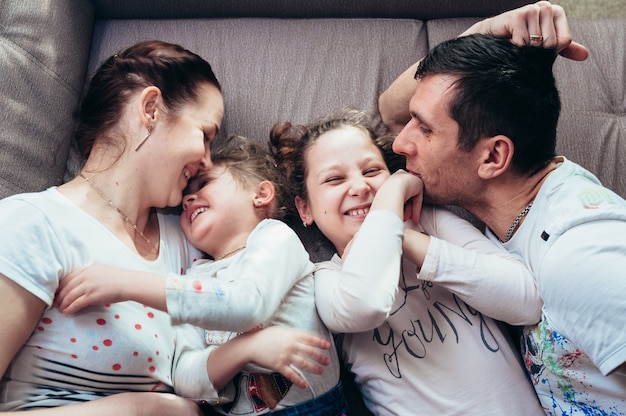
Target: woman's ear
(265, 194)
(149, 103)
(496, 155)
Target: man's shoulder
(572, 196)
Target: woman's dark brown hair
(177, 72)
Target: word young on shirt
(437, 322)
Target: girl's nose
(359, 186)
(187, 200)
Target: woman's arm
(127, 404)
(21, 312)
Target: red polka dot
(149, 359)
(117, 316)
(157, 353)
(101, 321)
(74, 356)
(72, 339)
(152, 369)
(117, 367)
(46, 321)
(136, 353)
(40, 328)
(107, 342)
(150, 315)
(95, 348)
(137, 326)
(197, 285)
(156, 335)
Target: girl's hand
(282, 349)
(401, 193)
(101, 284)
(98, 284)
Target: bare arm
(22, 311)
(541, 18)
(127, 404)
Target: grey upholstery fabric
(42, 67)
(414, 9)
(592, 127)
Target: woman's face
(344, 170)
(188, 137)
(218, 211)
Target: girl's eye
(372, 172)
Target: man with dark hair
(482, 135)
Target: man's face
(430, 143)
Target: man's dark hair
(502, 89)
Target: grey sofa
(277, 60)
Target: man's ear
(303, 209)
(265, 194)
(149, 104)
(496, 155)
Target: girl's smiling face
(345, 168)
(218, 211)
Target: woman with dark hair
(144, 130)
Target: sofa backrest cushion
(43, 60)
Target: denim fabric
(331, 403)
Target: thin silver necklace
(521, 215)
(231, 252)
(99, 191)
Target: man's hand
(541, 23)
